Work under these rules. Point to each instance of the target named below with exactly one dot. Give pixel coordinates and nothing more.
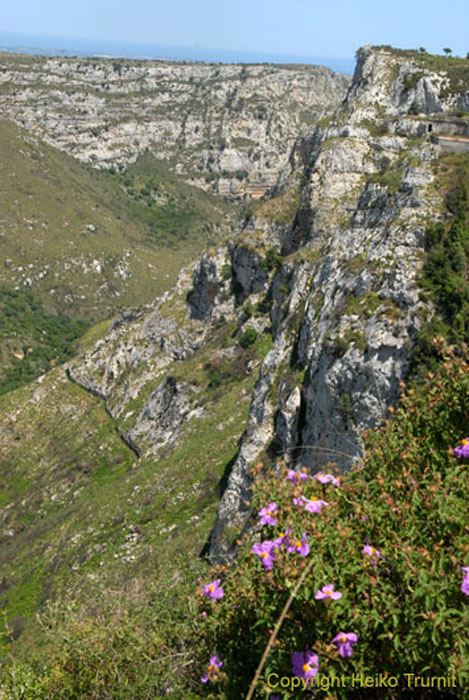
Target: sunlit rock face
(227, 128)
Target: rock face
(349, 312)
(229, 128)
(328, 269)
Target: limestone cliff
(228, 128)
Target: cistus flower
(371, 554)
(264, 550)
(327, 593)
(266, 515)
(296, 477)
(326, 478)
(465, 581)
(214, 590)
(282, 538)
(314, 505)
(344, 642)
(462, 450)
(301, 547)
(299, 501)
(212, 673)
(305, 665)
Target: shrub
(403, 600)
(248, 338)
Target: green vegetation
(248, 338)
(340, 344)
(171, 211)
(445, 274)
(31, 340)
(404, 601)
(272, 260)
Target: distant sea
(61, 46)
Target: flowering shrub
(381, 559)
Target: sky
(328, 28)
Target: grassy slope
(58, 216)
(75, 505)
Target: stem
(274, 634)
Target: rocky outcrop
(349, 309)
(206, 287)
(164, 412)
(229, 128)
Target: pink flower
(264, 550)
(282, 538)
(212, 673)
(301, 547)
(299, 501)
(465, 581)
(462, 450)
(214, 590)
(296, 477)
(344, 642)
(266, 515)
(305, 665)
(371, 554)
(326, 479)
(327, 593)
(314, 505)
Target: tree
(422, 49)
(448, 51)
(467, 55)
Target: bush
(404, 601)
(248, 338)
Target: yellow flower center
(305, 668)
(464, 442)
(269, 512)
(264, 555)
(328, 592)
(298, 544)
(211, 588)
(315, 498)
(209, 668)
(372, 550)
(342, 639)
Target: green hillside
(63, 462)
(87, 242)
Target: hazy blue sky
(300, 27)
